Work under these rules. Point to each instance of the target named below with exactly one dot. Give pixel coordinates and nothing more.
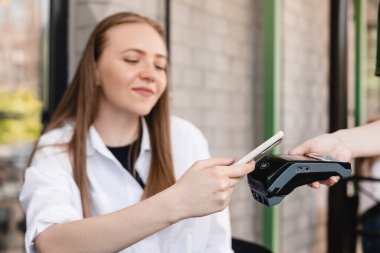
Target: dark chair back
(240, 246)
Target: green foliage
(20, 116)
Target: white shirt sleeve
(49, 194)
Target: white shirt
(51, 196)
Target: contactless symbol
(264, 165)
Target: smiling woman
(109, 173)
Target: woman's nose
(148, 73)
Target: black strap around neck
(122, 154)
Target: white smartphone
(263, 148)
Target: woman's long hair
(80, 103)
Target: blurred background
(240, 71)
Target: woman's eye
(159, 67)
(131, 61)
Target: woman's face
(131, 70)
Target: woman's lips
(145, 92)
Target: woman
(103, 176)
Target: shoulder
(183, 128)
(53, 143)
(59, 135)
(188, 144)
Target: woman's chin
(143, 112)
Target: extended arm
(362, 141)
(345, 144)
(111, 232)
(206, 187)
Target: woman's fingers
(229, 176)
(315, 185)
(301, 149)
(237, 170)
(227, 184)
(212, 162)
(329, 182)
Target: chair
(240, 246)
(366, 225)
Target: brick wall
(214, 44)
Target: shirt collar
(95, 142)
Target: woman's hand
(207, 187)
(326, 144)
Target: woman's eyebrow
(142, 52)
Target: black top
(125, 158)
